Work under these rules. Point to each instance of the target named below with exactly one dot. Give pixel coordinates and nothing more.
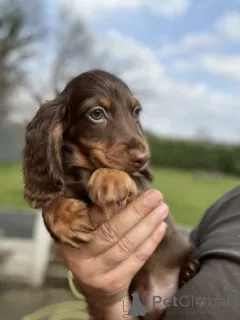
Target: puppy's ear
(42, 156)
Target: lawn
(11, 190)
(187, 194)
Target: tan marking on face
(99, 145)
(100, 155)
(79, 159)
(105, 102)
(133, 101)
(98, 158)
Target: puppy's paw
(68, 220)
(188, 271)
(111, 189)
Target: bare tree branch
(73, 43)
(16, 40)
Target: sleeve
(214, 293)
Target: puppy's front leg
(68, 220)
(111, 190)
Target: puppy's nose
(138, 158)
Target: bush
(194, 155)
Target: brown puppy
(86, 147)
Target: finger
(111, 231)
(126, 246)
(128, 268)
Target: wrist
(103, 307)
(98, 300)
(117, 310)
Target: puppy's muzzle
(138, 159)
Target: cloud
(133, 61)
(169, 8)
(176, 108)
(94, 8)
(184, 65)
(228, 25)
(226, 67)
(225, 29)
(192, 41)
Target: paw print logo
(200, 301)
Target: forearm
(116, 311)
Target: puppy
(87, 147)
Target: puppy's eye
(136, 112)
(97, 114)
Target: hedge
(195, 155)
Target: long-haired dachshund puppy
(86, 147)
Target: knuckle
(136, 209)
(165, 207)
(151, 222)
(142, 256)
(125, 246)
(155, 241)
(108, 232)
(118, 253)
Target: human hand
(105, 266)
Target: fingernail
(162, 227)
(153, 196)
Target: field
(188, 194)
(11, 193)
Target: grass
(11, 190)
(188, 194)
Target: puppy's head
(104, 122)
(97, 115)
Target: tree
(73, 48)
(17, 38)
(68, 49)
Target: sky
(186, 53)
